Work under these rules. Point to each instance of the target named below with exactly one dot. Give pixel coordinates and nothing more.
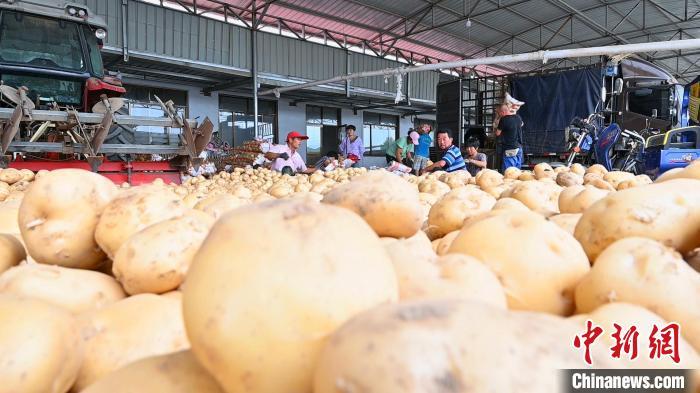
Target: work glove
(283, 156)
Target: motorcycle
(612, 147)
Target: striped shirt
(453, 159)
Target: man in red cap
(287, 156)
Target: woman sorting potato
(451, 160)
(286, 158)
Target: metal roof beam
(423, 12)
(604, 31)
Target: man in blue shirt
(451, 160)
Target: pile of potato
(339, 282)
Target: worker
(475, 161)
(352, 147)
(422, 155)
(451, 160)
(401, 150)
(509, 133)
(286, 158)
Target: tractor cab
(53, 49)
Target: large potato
(59, 214)
(652, 211)
(576, 199)
(10, 175)
(627, 315)
(128, 330)
(597, 169)
(433, 186)
(133, 211)
(568, 179)
(416, 247)
(450, 276)
(512, 173)
(537, 275)
(510, 204)
(544, 170)
(448, 214)
(578, 169)
(258, 312)
(539, 196)
(644, 272)
(156, 259)
(617, 177)
(389, 204)
(566, 222)
(449, 346)
(11, 252)
(487, 178)
(217, 205)
(40, 347)
(456, 179)
(445, 242)
(177, 372)
(75, 290)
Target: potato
(566, 222)
(133, 211)
(577, 199)
(217, 205)
(10, 175)
(536, 195)
(543, 170)
(526, 176)
(156, 259)
(578, 169)
(692, 171)
(627, 315)
(263, 198)
(435, 187)
(597, 169)
(416, 247)
(450, 276)
(617, 177)
(386, 202)
(639, 180)
(27, 174)
(128, 330)
(487, 178)
(449, 213)
(59, 214)
(512, 173)
(275, 303)
(537, 276)
(510, 204)
(456, 179)
(568, 179)
(445, 242)
(11, 252)
(40, 347)
(561, 169)
(644, 272)
(449, 346)
(177, 372)
(652, 211)
(496, 191)
(74, 290)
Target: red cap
(295, 134)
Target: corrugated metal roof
(438, 27)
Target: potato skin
(576, 199)
(644, 272)
(11, 251)
(651, 211)
(40, 347)
(131, 329)
(135, 209)
(59, 214)
(448, 214)
(389, 204)
(156, 259)
(566, 222)
(275, 303)
(544, 283)
(75, 290)
(448, 346)
(176, 372)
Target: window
(42, 42)
(378, 132)
(141, 101)
(322, 129)
(94, 52)
(644, 101)
(236, 120)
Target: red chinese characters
(662, 341)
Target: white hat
(513, 101)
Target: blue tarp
(551, 102)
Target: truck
(635, 94)
(56, 98)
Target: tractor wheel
(120, 134)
